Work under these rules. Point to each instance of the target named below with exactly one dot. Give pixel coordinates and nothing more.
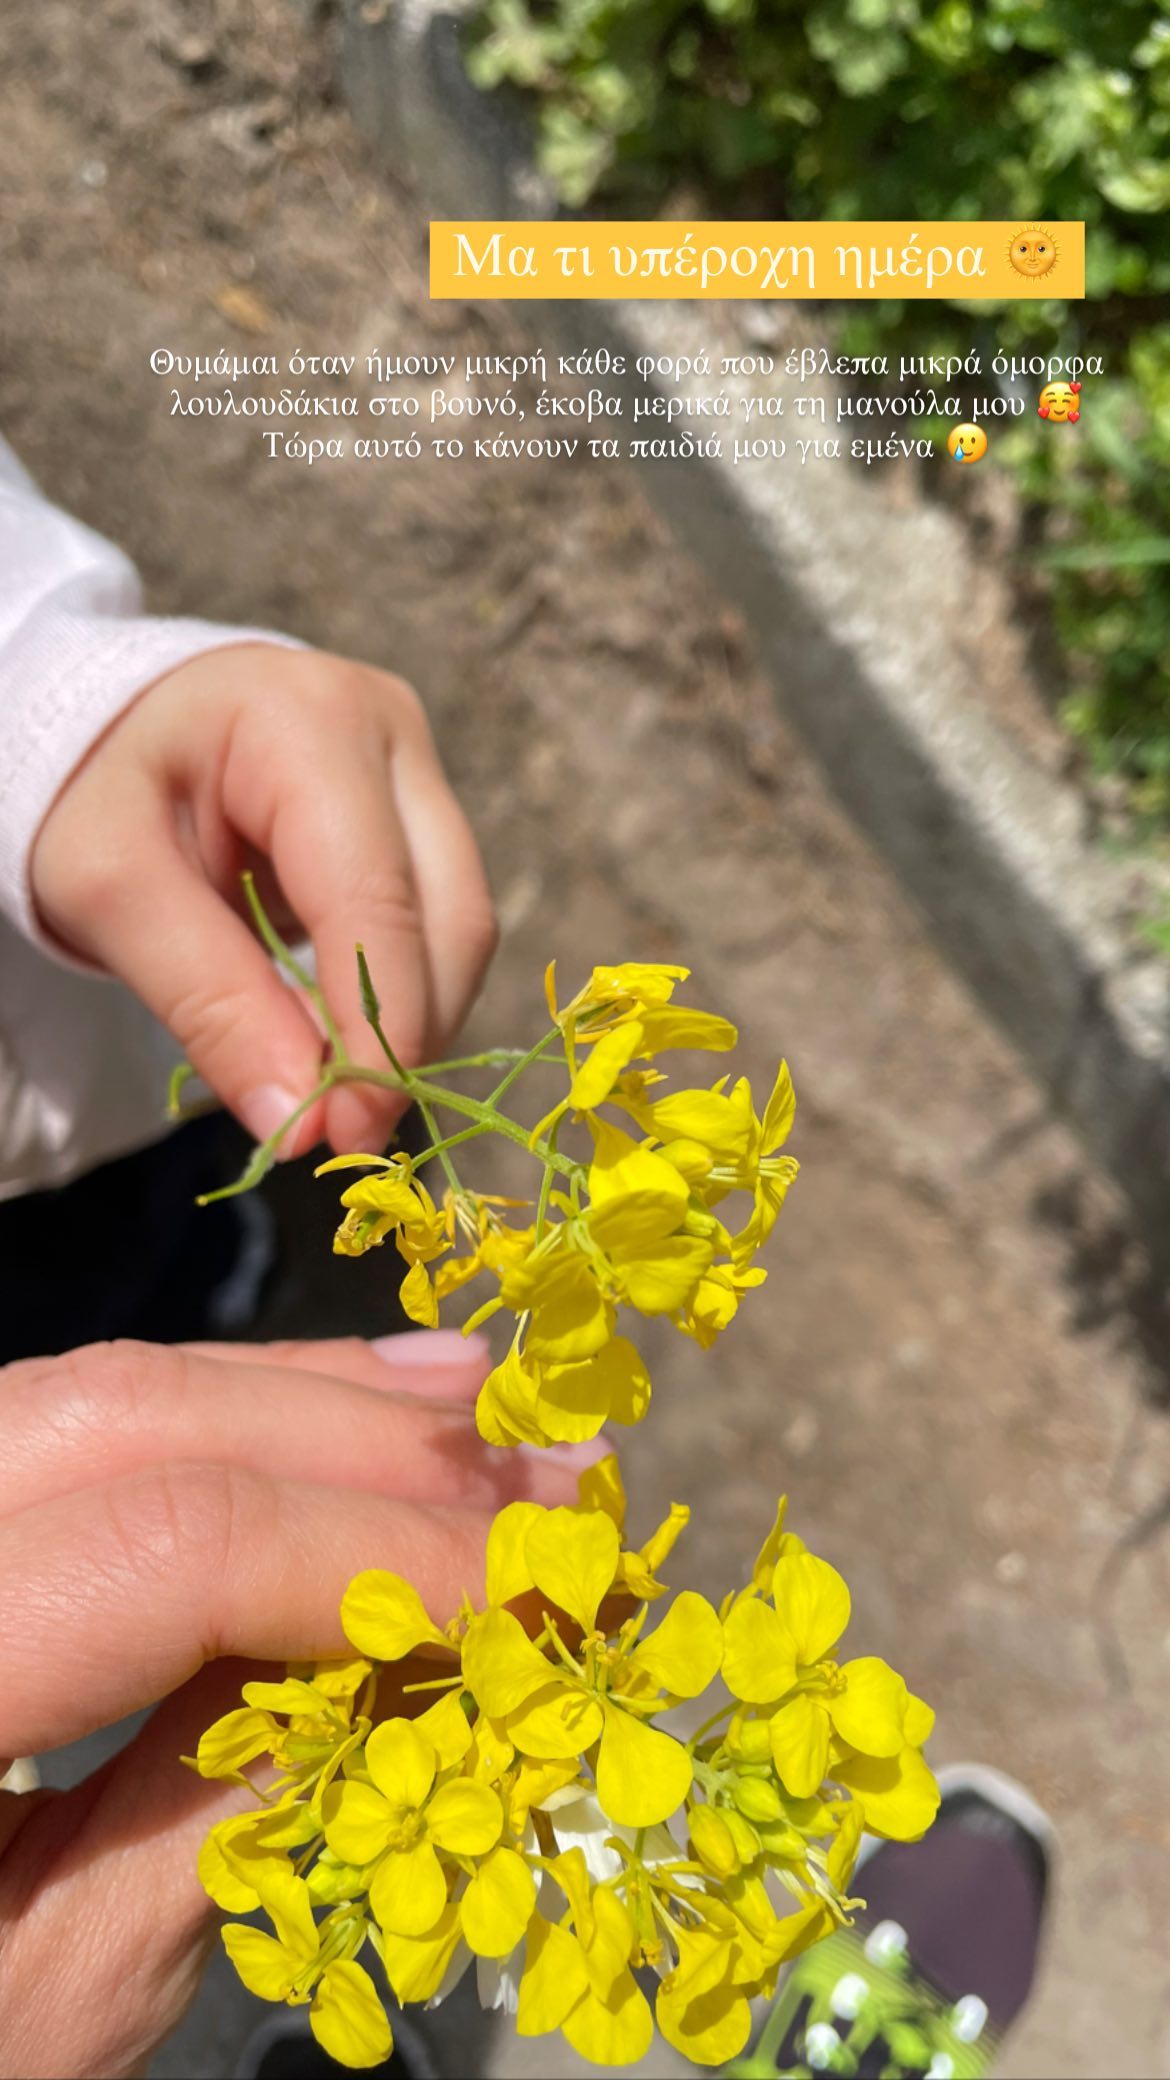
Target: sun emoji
(1033, 251)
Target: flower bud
(713, 1842)
(749, 1741)
(747, 1841)
(758, 1799)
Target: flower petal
(291, 1696)
(506, 1564)
(401, 1762)
(683, 1653)
(576, 1400)
(385, 1618)
(870, 1713)
(347, 2018)
(418, 1298)
(601, 1486)
(286, 1900)
(717, 1123)
(498, 1904)
(603, 1065)
(642, 1775)
(573, 1555)
(356, 1820)
(676, 1025)
(662, 1276)
(501, 1667)
(554, 1979)
(814, 1603)
(447, 1728)
(265, 1967)
(759, 1660)
(417, 1965)
(235, 1740)
(634, 1194)
(408, 1891)
(506, 1411)
(708, 2024)
(554, 1723)
(465, 1817)
(779, 1112)
(799, 1738)
(614, 2032)
(919, 1722)
(897, 1794)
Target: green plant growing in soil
(902, 109)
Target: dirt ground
(950, 1368)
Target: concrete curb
(850, 604)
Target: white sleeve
(75, 649)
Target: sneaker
(940, 1961)
(284, 2048)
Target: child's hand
(323, 773)
(160, 1509)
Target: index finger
(321, 805)
(113, 1597)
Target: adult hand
(323, 774)
(161, 1510)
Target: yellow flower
(715, 1301)
(703, 2008)
(401, 1819)
(509, 1571)
(524, 1401)
(321, 1730)
(497, 1247)
(577, 1975)
(631, 1247)
(778, 1654)
(542, 1765)
(699, 1130)
(769, 1173)
(395, 1201)
(560, 1707)
(303, 1962)
(623, 1014)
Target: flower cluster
(638, 1225)
(524, 1807)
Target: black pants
(122, 1251)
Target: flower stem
(518, 1067)
(438, 1145)
(724, 1712)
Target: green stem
(451, 1141)
(492, 1058)
(438, 1145)
(456, 1101)
(285, 958)
(264, 1156)
(518, 1067)
(546, 1184)
(725, 1712)
(763, 2057)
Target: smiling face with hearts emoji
(1060, 402)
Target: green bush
(1027, 109)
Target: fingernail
(576, 1457)
(265, 1110)
(432, 1347)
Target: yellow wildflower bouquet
(501, 1789)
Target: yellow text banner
(999, 261)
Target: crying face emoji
(1060, 402)
(966, 443)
